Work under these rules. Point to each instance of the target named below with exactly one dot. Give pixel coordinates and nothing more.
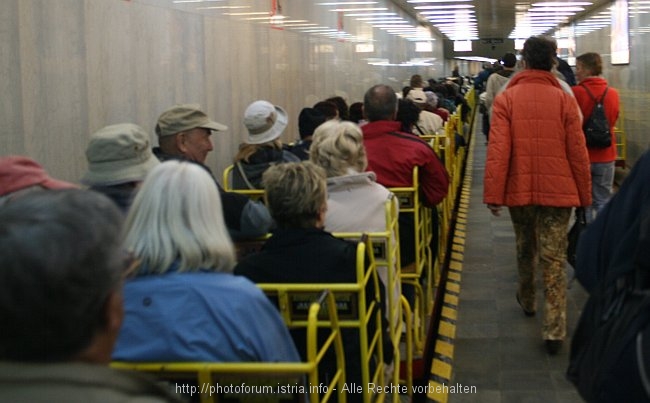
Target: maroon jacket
(393, 154)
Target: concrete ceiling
(496, 18)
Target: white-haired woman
(183, 302)
(355, 201)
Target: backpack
(596, 126)
(610, 350)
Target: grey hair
(338, 147)
(60, 260)
(177, 215)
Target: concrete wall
(71, 67)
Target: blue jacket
(607, 246)
(200, 316)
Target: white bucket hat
(264, 121)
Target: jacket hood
(594, 83)
(352, 179)
(534, 76)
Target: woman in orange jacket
(537, 165)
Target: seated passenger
(184, 303)
(308, 120)
(356, 113)
(428, 122)
(61, 301)
(300, 251)
(355, 201)
(21, 175)
(119, 157)
(184, 134)
(265, 123)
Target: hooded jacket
(537, 153)
(597, 87)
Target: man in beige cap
(184, 134)
(119, 157)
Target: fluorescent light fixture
(562, 4)
(347, 3)
(619, 39)
(452, 7)
(343, 10)
(423, 47)
(462, 46)
(368, 14)
(381, 18)
(394, 26)
(245, 14)
(194, 1)
(222, 7)
(556, 9)
(389, 22)
(365, 48)
(269, 18)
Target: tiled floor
(497, 349)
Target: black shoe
(526, 311)
(553, 346)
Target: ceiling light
(435, 1)
(562, 4)
(359, 9)
(367, 14)
(347, 3)
(555, 9)
(242, 14)
(454, 6)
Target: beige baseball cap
(180, 118)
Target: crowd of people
(166, 283)
(141, 265)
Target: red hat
(17, 172)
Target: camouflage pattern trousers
(541, 234)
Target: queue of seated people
(180, 300)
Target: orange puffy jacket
(537, 153)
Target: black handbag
(574, 234)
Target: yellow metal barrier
(255, 194)
(355, 308)
(410, 203)
(253, 381)
(385, 247)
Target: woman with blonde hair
(183, 303)
(355, 201)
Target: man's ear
(179, 139)
(114, 312)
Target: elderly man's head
(60, 273)
(184, 130)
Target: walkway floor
(496, 348)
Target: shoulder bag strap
(243, 175)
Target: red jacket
(537, 153)
(393, 154)
(597, 87)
